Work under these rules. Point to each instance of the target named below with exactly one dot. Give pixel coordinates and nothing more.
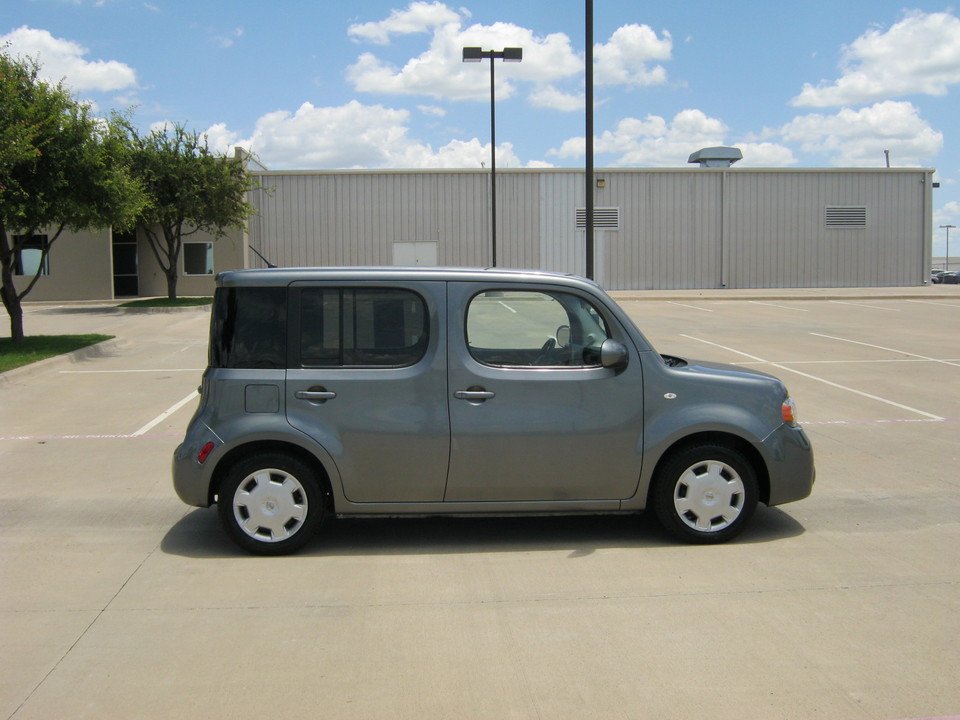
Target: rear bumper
(191, 478)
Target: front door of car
(368, 383)
(534, 415)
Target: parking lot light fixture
(476, 54)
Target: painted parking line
(122, 372)
(165, 414)
(887, 349)
(872, 307)
(47, 438)
(933, 302)
(692, 307)
(778, 305)
(877, 422)
(786, 368)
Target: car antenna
(269, 264)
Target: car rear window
(248, 328)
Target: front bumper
(790, 464)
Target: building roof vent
(716, 157)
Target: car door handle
(474, 395)
(317, 396)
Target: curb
(160, 310)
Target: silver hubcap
(709, 496)
(270, 505)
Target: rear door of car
(367, 381)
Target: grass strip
(167, 302)
(41, 347)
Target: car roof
(287, 276)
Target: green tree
(60, 169)
(190, 189)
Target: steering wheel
(549, 345)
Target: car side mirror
(563, 335)
(613, 354)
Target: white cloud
(550, 97)
(63, 60)
(765, 154)
(419, 17)
(918, 55)
(652, 141)
(351, 136)
(432, 110)
(854, 138)
(439, 71)
(220, 139)
(629, 57)
(623, 60)
(949, 214)
(225, 41)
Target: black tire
(271, 504)
(705, 494)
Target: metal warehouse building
(682, 228)
(654, 228)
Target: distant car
(950, 278)
(935, 276)
(399, 391)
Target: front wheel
(705, 494)
(271, 504)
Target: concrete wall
(229, 253)
(80, 269)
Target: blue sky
(372, 84)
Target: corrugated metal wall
(678, 228)
(776, 234)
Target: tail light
(205, 452)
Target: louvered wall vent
(846, 217)
(604, 218)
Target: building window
(198, 258)
(845, 217)
(30, 256)
(604, 218)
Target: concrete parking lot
(117, 601)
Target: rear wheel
(705, 494)
(271, 504)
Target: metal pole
(946, 264)
(589, 137)
(476, 54)
(493, 168)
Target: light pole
(475, 54)
(946, 265)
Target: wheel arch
(256, 447)
(735, 442)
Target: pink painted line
(40, 438)
(805, 423)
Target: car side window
(534, 328)
(361, 327)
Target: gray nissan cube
(426, 391)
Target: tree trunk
(172, 283)
(11, 301)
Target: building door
(126, 281)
